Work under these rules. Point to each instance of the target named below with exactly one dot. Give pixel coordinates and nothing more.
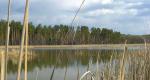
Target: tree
(64, 34)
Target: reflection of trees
(61, 58)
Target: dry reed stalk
(122, 67)
(145, 46)
(145, 57)
(26, 50)
(7, 39)
(88, 67)
(22, 39)
(97, 71)
(2, 66)
(131, 69)
(109, 70)
(146, 60)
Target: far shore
(92, 46)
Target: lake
(67, 64)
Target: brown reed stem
(22, 39)
(122, 67)
(2, 66)
(7, 39)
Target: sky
(125, 16)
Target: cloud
(127, 16)
(106, 12)
(100, 12)
(106, 1)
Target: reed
(109, 68)
(2, 66)
(97, 71)
(7, 39)
(13, 54)
(133, 65)
(26, 49)
(122, 68)
(25, 24)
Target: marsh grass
(13, 55)
(133, 66)
(128, 65)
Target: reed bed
(134, 66)
(129, 65)
(13, 55)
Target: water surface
(60, 64)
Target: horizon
(127, 17)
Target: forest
(66, 35)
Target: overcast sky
(126, 16)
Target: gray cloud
(127, 16)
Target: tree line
(61, 34)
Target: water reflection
(62, 64)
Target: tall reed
(26, 49)
(2, 66)
(7, 39)
(25, 23)
(122, 66)
(97, 71)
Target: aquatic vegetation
(103, 64)
(14, 54)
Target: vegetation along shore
(66, 35)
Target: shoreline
(89, 46)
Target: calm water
(53, 64)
